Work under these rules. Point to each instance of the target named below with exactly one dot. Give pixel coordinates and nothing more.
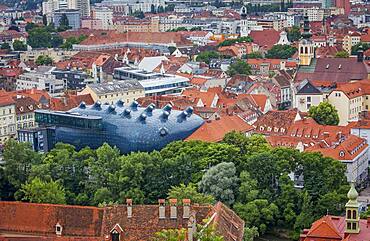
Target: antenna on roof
(162, 70)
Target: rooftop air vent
(165, 114)
(149, 109)
(120, 103)
(163, 131)
(111, 108)
(143, 117)
(184, 114)
(97, 105)
(190, 110)
(126, 112)
(82, 105)
(134, 104)
(168, 108)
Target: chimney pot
(162, 209)
(173, 208)
(129, 208)
(186, 208)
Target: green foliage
(5, 46)
(239, 67)
(19, 46)
(220, 181)
(189, 192)
(325, 114)
(38, 191)
(229, 42)
(44, 60)
(179, 29)
(281, 52)
(255, 55)
(241, 169)
(365, 46)
(206, 56)
(44, 37)
(69, 42)
(342, 54)
(259, 213)
(171, 235)
(294, 34)
(63, 23)
(250, 233)
(139, 14)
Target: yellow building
(112, 92)
(351, 40)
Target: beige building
(56, 55)
(350, 99)
(7, 119)
(25, 112)
(351, 40)
(112, 92)
(307, 95)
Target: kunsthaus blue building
(130, 128)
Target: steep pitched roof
(266, 38)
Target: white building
(82, 5)
(105, 14)
(7, 118)
(42, 79)
(244, 26)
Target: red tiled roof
(214, 131)
(266, 38)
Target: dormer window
(58, 229)
(341, 153)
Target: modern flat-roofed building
(126, 91)
(153, 83)
(73, 16)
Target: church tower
(244, 28)
(352, 215)
(306, 47)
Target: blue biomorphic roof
(131, 128)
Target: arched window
(354, 214)
(349, 226)
(354, 226)
(115, 235)
(301, 50)
(306, 52)
(349, 214)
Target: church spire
(306, 28)
(352, 214)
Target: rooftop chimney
(162, 209)
(173, 208)
(186, 209)
(129, 208)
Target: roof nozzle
(168, 107)
(82, 105)
(120, 103)
(97, 105)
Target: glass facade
(130, 129)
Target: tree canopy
(244, 172)
(19, 46)
(281, 52)
(325, 114)
(239, 67)
(206, 56)
(44, 60)
(229, 42)
(294, 34)
(342, 54)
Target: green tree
(259, 213)
(206, 56)
(170, 235)
(342, 54)
(294, 34)
(248, 189)
(18, 160)
(63, 23)
(189, 192)
(139, 14)
(44, 60)
(229, 42)
(178, 29)
(365, 46)
(220, 181)
(239, 67)
(325, 114)
(250, 233)
(255, 55)
(5, 46)
(306, 216)
(69, 42)
(281, 52)
(248, 145)
(19, 46)
(102, 195)
(38, 191)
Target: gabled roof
(265, 38)
(214, 131)
(324, 228)
(306, 87)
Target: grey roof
(118, 86)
